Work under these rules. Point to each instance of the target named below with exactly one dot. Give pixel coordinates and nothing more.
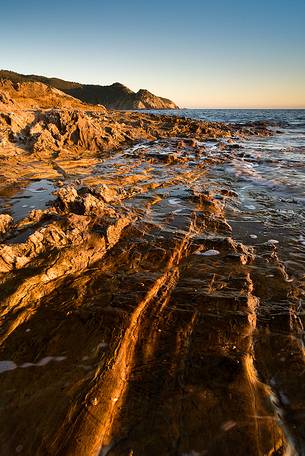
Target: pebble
(211, 252)
(253, 236)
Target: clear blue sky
(222, 53)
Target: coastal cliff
(36, 95)
(115, 96)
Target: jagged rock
(5, 222)
(86, 201)
(66, 129)
(56, 236)
(5, 99)
(67, 196)
(92, 204)
(106, 193)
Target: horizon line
(297, 108)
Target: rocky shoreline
(128, 310)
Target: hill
(114, 96)
(34, 95)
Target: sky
(201, 54)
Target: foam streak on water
(268, 174)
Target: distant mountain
(115, 96)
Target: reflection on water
(35, 195)
(10, 365)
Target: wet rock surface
(5, 222)
(138, 317)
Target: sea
(268, 175)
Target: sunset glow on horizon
(233, 54)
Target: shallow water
(268, 174)
(35, 194)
